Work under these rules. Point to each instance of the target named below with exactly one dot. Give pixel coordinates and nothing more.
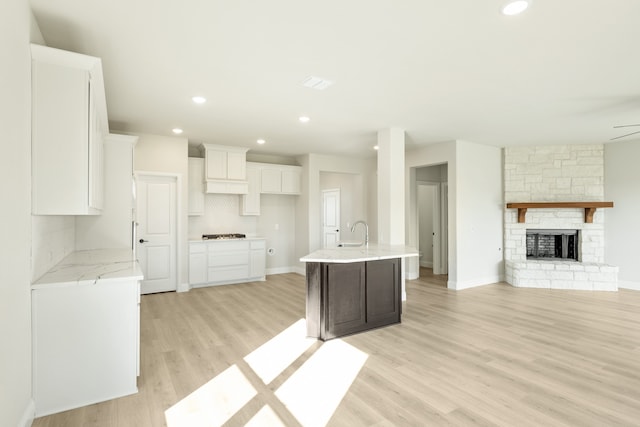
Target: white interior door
(156, 232)
(330, 218)
(427, 220)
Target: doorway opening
(432, 226)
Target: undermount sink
(349, 244)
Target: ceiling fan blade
(622, 136)
(625, 126)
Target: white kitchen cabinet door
(250, 202)
(196, 186)
(291, 181)
(216, 161)
(271, 180)
(85, 344)
(113, 227)
(257, 262)
(69, 124)
(236, 165)
(197, 263)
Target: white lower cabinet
(257, 261)
(197, 263)
(85, 343)
(222, 262)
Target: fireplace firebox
(553, 244)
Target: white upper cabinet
(225, 169)
(280, 179)
(291, 179)
(196, 186)
(69, 124)
(250, 202)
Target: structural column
(391, 186)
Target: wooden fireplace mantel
(589, 207)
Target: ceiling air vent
(316, 83)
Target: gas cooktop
(223, 236)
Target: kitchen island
(354, 289)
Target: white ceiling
(563, 72)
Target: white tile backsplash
(53, 238)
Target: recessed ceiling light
(177, 131)
(375, 147)
(515, 7)
(317, 83)
(304, 119)
(261, 141)
(199, 99)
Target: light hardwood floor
(488, 356)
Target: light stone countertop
(201, 240)
(360, 253)
(89, 267)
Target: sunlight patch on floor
(270, 359)
(213, 403)
(265, 417)
(314, 391)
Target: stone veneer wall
(565, 173)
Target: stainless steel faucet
(366, 231)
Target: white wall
(53, 238)
(474, 210)
(479, 215)
(167, 154)
(308, 207)
(278, 211)
(621, 183)
(17, 29)
(353, 206)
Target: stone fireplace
(569, 173)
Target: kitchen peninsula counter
(89, 267)
(86, 330)
(372, 252)
(354, 289)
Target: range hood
(225, 169)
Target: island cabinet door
(345, 289)
(383, 292)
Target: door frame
(180, 286)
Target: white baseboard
(28, 415)
(412, 276)
(426, 264)
(280, 270)
(459, 286)
(183, 287)
(634, 286)
(300, 270)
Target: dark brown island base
(351, 290)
